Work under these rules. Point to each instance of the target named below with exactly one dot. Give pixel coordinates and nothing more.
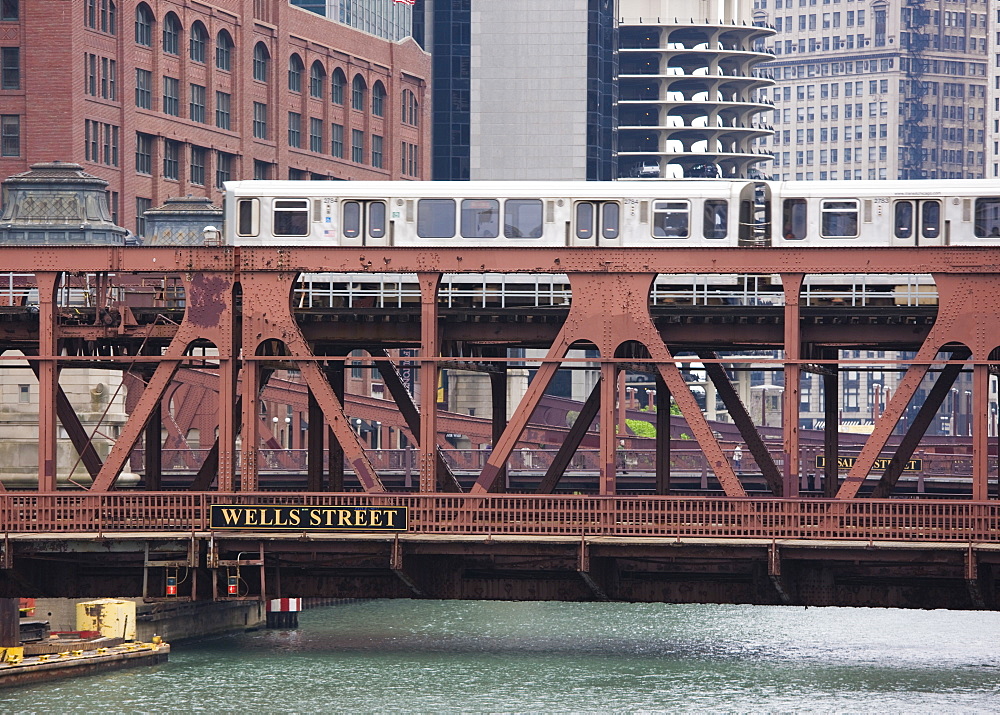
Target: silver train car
(663, 214)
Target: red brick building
(170, 98)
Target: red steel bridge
(577, 510)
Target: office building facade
(388, 19)
(166, 98)
(887, 89)
(522, 89)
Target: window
(109, 17)
(141, 207)
(222, 101)
(291, 217)
(377, 151)
(24, 393)
(357, 146)
(199, 40)
(794, 219)
(409, 108)
(143, 89)
(260, 120)
(90, 130)
(223, 51)
(295, 67)
(196, 107)
(223, 168)
(839, 219)
(197, 172)
(171, 159)
(171, 99)
(988, 217)
(9, 10)
(171, 34)
(378, 100)
(143, 25)
(295, 130)
(10, 135)
(261, 170)
(435, 218)
(358, 88)
(337, 87)
(10, 61)
(109, 78)
(317, 79)
(261, 62)
(522, 218)
(337, 140)
(143, 153)
(480, 218)
(316, 135)
(671, 219)
(715, 219)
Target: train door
(755, 215)
(364, 223)
(917, 222)
(596, 223)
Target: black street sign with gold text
(264, 517)
(881, 464)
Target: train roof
(513, 189)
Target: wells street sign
(914, 465)
(264, 517)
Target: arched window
(261, 62)
(295, 68)
(199, 41)
(317, 78)
(337, 85)
(224, 51)
(358, 88)
(171, 34)
(143, 25)
(378, 99)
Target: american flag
(406, 2)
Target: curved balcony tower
(690, 98)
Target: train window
(903, 219)
(609, 220)
(436, 218)
(480, 218)
(671, 219)
(794, 219)
(716, 219)
(522, 218)
(839, 219)
(291, 217)
(248, 221)
(988, 217)
(376, 219)
(352, 219)
(930, 219)
(584, 220)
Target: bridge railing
(549, 515)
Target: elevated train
(662, 214)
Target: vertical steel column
(335, 450)
(10, 622)
(498, 414)
(980, 434)
(792, 286)
(314, 446)
(662, 436)
(429, 351)
(48, 380)
(153, 454)
(609, 385)
(230, 415)
(831, 428)
(250, 442)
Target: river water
(501, 657)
